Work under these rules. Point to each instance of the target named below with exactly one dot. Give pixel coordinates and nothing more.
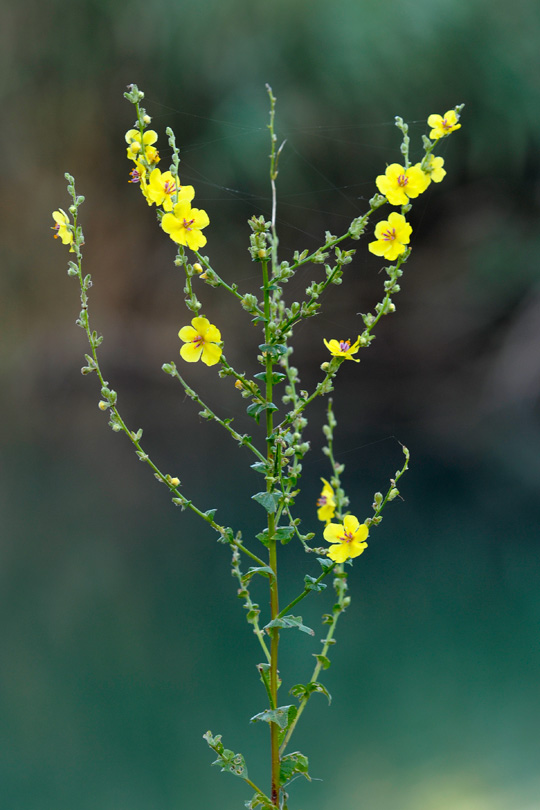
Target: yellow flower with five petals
(200, 342)
(398, 183)
(392, 236)
(349, 538)
(443, 125)
(163, 187)
(184, 225)
(433, 169)
(343, 348)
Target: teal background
(121, 638)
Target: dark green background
(121, 638)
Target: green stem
(242, 440)
(305, 592)
(328, 641)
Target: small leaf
(290, 621)
(268, 500)
(277, 376)
(263, 570)
(323, 660)
(259, 466)
(301, 690)
(291, 764)
(325, 563)
(273, 349)
(285, 534)
(210, 513)
(282, 716)
(311, 584)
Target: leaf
(229, 761)
(323, 660)
(285, 534)
(290, 621)
(210, 514)
(301, 690)
(325, 563)
(291, 764)
(273, 349)
(260, 466)
(269, 500)
(263, 570)
(277, 376)
(282, 716)
(311, 584)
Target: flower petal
(187, 334)
(211, 354)
(191, 352)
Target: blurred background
(122, 641)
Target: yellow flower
(63, 228)
(326, 503)
(443, 124)
(349, 536)
(184, 225)
(392, 236)
(136, 146)
(162, 187)
(200, 339)
(343, 348)
(433, 169)
(398, 183)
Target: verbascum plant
(277, 404)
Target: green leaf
(311, 584)
(273, 349)
(282, 716)
(229, 761)
(263, 570)
(323, 660)
(277, 376)
(292, 764)
(285, 534)
(269, 500)
(301, 690)
(264, 672)
(259, 466)
(290, 621)
(325, 563)
(210, 513)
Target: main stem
(272, 555)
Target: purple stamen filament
(344, 345)
(187, 224)
(389, 235)
(402, 180)
(347, 537)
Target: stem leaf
(290, 621)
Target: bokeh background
(121, 637)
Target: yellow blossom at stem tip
(349, 538)
(63, 228)
(443, 125)
(343, 348)
(326, 503)
(200, 342)
(137, 145)
(392, 236)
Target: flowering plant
(277, 456)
